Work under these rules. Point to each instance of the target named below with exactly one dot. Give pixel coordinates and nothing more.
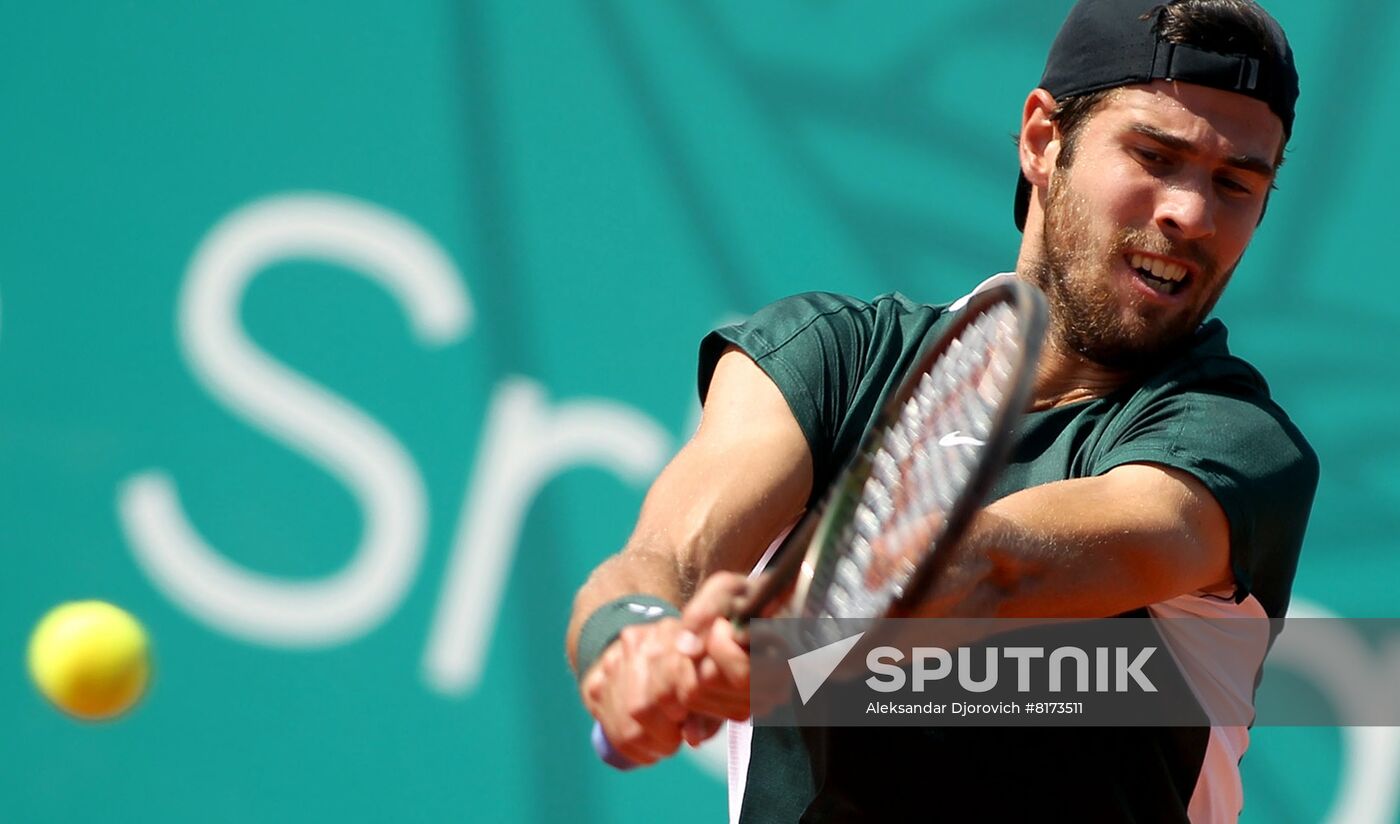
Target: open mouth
(1163, 276)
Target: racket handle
(604, 748)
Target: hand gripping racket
(923, 469)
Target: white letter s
(346, 442)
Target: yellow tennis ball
(91, 659)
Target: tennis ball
(91, 659)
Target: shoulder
(809, 308)
(831, 356)
(1228, 402)
(824, 324)
(1209, 363)
(817, 313)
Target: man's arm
(743, 477)
(1087, 548)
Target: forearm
(634, 570)
(744, 476)
(1086, 548)
(671, 563)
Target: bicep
(1193, 553)
(743, 477)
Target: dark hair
(1070, 114)
(1221, 26)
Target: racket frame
(811, 540)
(803, 549)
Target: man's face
(1147, 222)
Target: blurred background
(339, 341)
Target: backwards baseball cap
(1108, 43)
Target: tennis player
(1152, 475)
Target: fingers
(718, 597)
(649, 686)
(717, 600)
(632, 692)
(729, 656)
(770, 683)
(699, 728)
(718, 685)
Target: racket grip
(604, 748)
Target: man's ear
(1040, 139)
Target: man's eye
(1235, 186)
(1149, 156)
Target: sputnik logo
(811, 669)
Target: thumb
(719, 597)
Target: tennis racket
(923, 469)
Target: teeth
(1159, 268)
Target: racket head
(1006, 325)
(794, 586)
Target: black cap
(1109, 43)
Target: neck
(1064, 377)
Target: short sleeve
(813, 346)
(1251, 458)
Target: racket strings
(918, 467)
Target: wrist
(608, 621)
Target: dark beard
(1085, 315)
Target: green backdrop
(339, 341)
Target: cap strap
(1231, 72)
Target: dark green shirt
(1207, 413)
